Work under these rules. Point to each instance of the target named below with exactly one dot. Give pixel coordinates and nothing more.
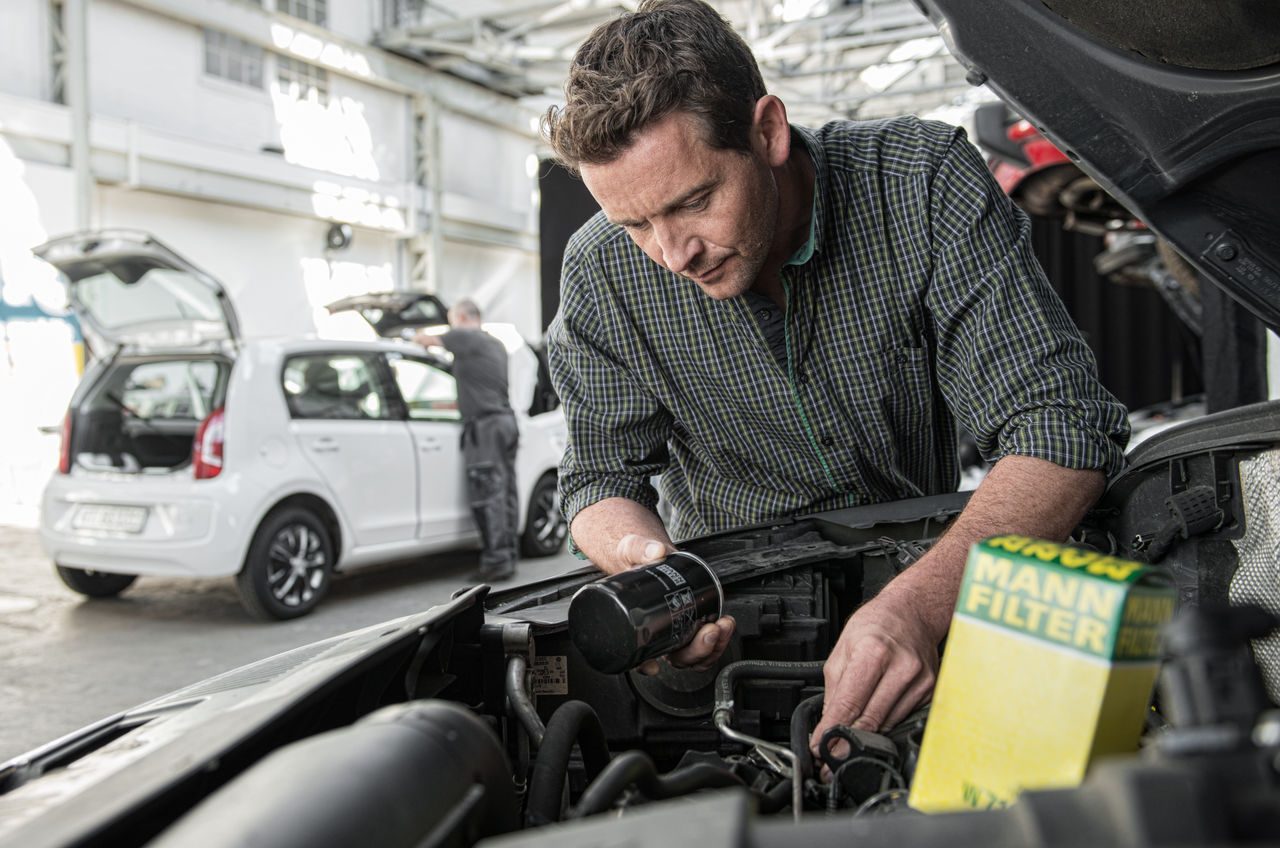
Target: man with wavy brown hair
(781, 320)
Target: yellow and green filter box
(1049, 663)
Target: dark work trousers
(489, 453)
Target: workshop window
(230, 58)
(302, 81)
(315, 11)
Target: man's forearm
(429, 339)
(599, 528)
(1020, 495)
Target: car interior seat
(323, 396)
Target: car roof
(309, 345)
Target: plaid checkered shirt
(917, 302)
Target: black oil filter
(637, 615)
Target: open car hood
(1174, 108)
(129, 289)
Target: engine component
(870, 773)
(802, 723)
(419, 773)
(1210, 687)
(521, 703)
(1192, 512)
(636, 768)
(864, 765)
(625, 619)
(777, 756)
(574, 723)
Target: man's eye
(635, 228)
(697, 205)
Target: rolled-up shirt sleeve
(1013, 367)
(618, 430)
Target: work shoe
(496, 575)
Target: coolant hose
(802, 720)
(806, 672)
(521, 703)
(775, 800)
(573, 722)
(636, 768)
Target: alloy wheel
(296, 565)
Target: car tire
(544, 528)
(95, 584)
(289, 565)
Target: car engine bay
(479, 721)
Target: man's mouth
(706, 277)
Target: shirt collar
(814, 148)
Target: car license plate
(116, 519)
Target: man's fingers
(849, 686)
(636, 550)
(708, 644)
(915, 695)
(897, 679)
(722, 644)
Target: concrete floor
(66, 661)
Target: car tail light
(64, 448)
(206, 453)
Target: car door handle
(325, 446)
(429, 445)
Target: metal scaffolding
(825, 58)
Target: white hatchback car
(190, 451)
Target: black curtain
(565, 205)
(1145, 354)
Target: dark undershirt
(771, 320)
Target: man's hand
(886, 659)
(635, 550)
(883, 666)
(428, 339)
(708, 643)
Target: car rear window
(172, 390)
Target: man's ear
(771, 134)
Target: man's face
(709, 215)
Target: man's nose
(678, 247)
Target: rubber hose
(517, 666)
(801, 720)
(775, 800)
(636, 768)
(573, 722)
(807, 672)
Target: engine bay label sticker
(551, 675)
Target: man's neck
(795, 182)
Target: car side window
(334, 386)
(429, 393)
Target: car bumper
(188, 528)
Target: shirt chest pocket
(885, 399)
(737, 375)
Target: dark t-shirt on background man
(480, 367)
